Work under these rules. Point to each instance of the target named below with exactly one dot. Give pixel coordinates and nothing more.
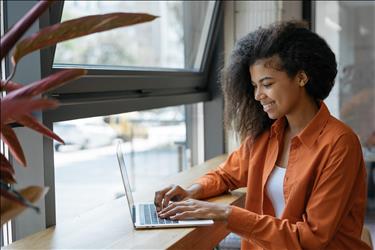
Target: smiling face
(279, 94)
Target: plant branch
(15, 33)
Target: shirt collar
(311, 132)
(278, 127)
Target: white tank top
(275, 189)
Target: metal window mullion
(120, 105)
(211, 37)
(204, 40)
(99, 81)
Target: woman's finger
(172, 193)
(185, 215)
(176, 210)
(177, 204)
(169, 207)
(159, 196)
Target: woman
(303, 169)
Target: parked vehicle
(84, 134)
(125, 129)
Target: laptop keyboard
(149, 215)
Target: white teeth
(267, 106)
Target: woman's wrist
(227, 211)
(194, 191)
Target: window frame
(308, 13)
(130, 89)
(105, 92)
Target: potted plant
(21, 100)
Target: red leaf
(10, 86)
(4, 163)
(6, 175)
(10, 138)
(31, 122)
(76, 28)
(12, 109)
(18, 29)
(11, 197)
(9, 207)
(46, 84)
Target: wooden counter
(110, 226)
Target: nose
(258, 94)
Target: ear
(302, 78)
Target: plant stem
(15, 33)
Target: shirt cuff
(241, 221)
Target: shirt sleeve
(330, 201)
(230, 175)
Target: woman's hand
(173, 193)
(195, 209)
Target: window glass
(176, 39)
(349, 28)
(87, 174)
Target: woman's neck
(301, 116)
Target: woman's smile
(268, 106)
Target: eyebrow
(262, 79)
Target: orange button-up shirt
(324, 188)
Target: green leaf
(76, 28)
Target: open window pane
(175, 40)
(87, 174)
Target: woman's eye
(267, 85)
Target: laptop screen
(125, 179)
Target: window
(175, 70)
(349, 28)
(176, 39)
(165, 67)
(86, 169)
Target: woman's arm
(230, 175)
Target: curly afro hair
(298, 48)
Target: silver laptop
(144, 214)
